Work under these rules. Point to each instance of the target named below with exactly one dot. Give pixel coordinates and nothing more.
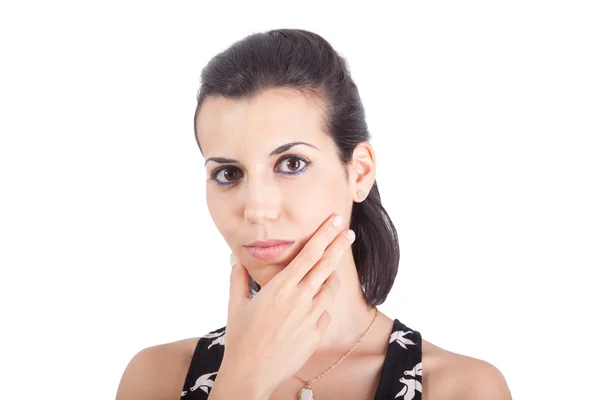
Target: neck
(350, 313)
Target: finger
(239, 293)
(324, 298)
(327, 264)
(313, 250)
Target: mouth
(268, 250)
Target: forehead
(273, 117)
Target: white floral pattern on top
(202, 383)
(411, 385)
(220, 338)
(398, 336)
(406, 383)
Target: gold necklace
(306, 393)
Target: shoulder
(452, 376)
(157, 372)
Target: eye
(226, 175)
(292, 165)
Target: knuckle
(281, 282)
(340, 246)
(334, 252)
(318, 279)
(316, 338)
(303, 299)
(329, 257)
(310, 254)
(307, 290)
(280, 296)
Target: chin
(262, 275)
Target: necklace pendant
(306, 394)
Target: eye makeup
(219, 173)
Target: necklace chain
(308, 383)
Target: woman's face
(261, 187)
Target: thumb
(239, 291)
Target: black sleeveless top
(400, 377)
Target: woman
(292, 190)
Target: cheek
(221, 215)
(314, 200)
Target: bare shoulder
(450, 376)
(157, 372)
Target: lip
(268, 249)
(269, 243)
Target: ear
(361, 171)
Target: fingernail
(233, 259)
(337, 221)
(350, 235)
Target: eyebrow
(281, 149)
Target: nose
(262, 202)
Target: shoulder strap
(204, 366)
(401, 377)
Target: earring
(361, 195)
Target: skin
(263, 203)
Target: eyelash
(216, 172)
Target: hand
(271, 336)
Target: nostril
(257, 216)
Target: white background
(485, 122)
